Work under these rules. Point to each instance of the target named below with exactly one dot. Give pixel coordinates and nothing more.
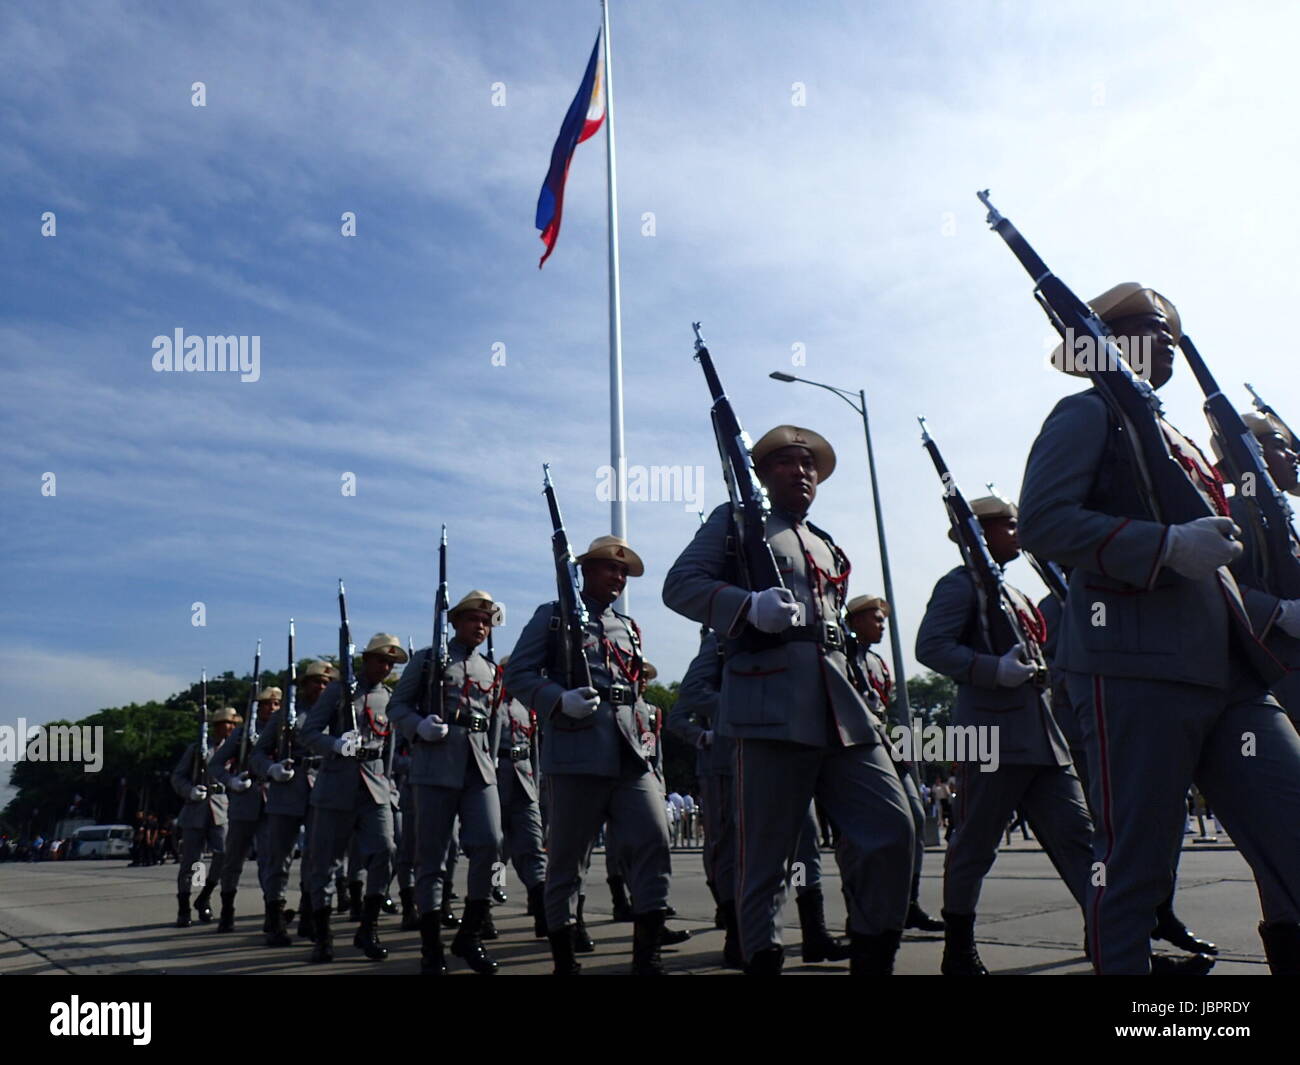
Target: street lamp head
(777, 375)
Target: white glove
(432, 729)
(198, 793)
(579, 702)
(240, 784)
(774, 609)
(706, 740)
(1013, 670)
(347, 745)
(280, 773)
(1288, 618)
(1197, 548)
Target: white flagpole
(617, 458)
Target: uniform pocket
(756, 687)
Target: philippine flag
(584, 117)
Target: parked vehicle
(102, 841)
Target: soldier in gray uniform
(1033, 774)
(693, 720)
(1284, 467)
(867, 614)
(246, 818)
(202, 820)
(288, 803)
(454, 774)
(352, 793)
(597, 767)
(1167, 676)
(404, 827)
(521, 816)
(804, 729)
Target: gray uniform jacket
(245, 805)
(590, 747)
(470, 686)
(342, 782)
(798, 691)
(196, 814)
(1082, 505)
(288, 799)
(518, 730)
(950, 641)
(1248, 570)
(696, 711)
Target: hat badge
(620, 553)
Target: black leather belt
(618, 694)
(826, 633)
(516, 753)
(369, 754)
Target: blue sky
(1151, 142)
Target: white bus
(102, 841)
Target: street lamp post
(858, 401)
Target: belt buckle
(618, 694)
(832, 637)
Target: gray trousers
(193, 841)
(436, 810)
(633, 805)
(718, 795)
(404, 830)
(859, 788)
(330, 832)
(281, 835)
(1147, 741)
(918, 824)
(1051, 800)
(805, 872)
(521, 824)
(240, 836)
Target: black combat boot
(432, 962)
(388, 905)
(1175, 933)
(818, 943)
(367, 937)
(324, 948)
(467, 943)
(354, 900)
(201, 907)
(618, 895)
(276, 935)
(670, 937)
(410, 918)
(537, 909)
(449, 919)
(1281, 947)
(873, 955)
(732, 956)
(266, 919)
(960, 958)
(647, 932)
(226, 923)
(920, 920)
(306, 919)
(341, 895)
(489, 930)
(582, 941)
(767, 962)
(562, 952)
(499, 896)
(1192, 965)
(183, 910)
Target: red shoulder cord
(1202, 474)
(882, 689)
(632, 673)
(821, 578)
(370, 717)
(517, 729)
(1035, 625)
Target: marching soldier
(1160, 662)
(1284, 467)
(1033, 773)
(351, 793)
(804, 730)
(202, 820)
(405, 831)
(521, 816)
(693, 720)
(596, 763)
(454, 746)
(867, 614)
(246, 817)
(288, 804)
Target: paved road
(98, 917)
